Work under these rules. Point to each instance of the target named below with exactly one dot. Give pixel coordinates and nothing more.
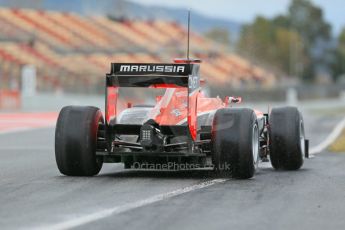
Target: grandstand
(73, 52)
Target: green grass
(339, 144)
(330, 112)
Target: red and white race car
(184, 130)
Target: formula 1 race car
(183, 130)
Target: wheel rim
(302, 138)
(255, 144)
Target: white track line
(330, 139)
(127, 207)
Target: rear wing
(154, 75)
(149, 75)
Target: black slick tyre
(76, 140)
(287, 140)
(235, 142)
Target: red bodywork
(172, 109)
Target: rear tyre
(287, 140)
(76, 140)
(235, 138)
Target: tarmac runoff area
(34, 195)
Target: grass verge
(339, 144)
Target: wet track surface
(33, 193)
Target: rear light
(146, 135)
(151, 138)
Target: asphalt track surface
(34, 195)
